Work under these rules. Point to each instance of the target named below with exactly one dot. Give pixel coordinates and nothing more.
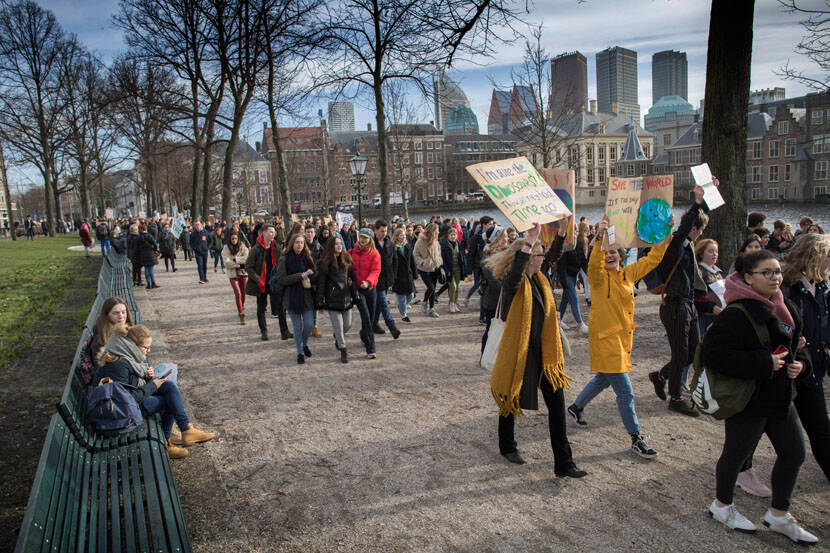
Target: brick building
(461, 151)
(817, 121)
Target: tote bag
(491, 348)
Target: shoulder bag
(491, 348)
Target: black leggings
(429, 281)
(562, 455)
(812, 410)
(742, 433)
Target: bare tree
(377, 41)
(728, 64)
(815, 44)
(31, 48)
(402, 112)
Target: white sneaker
(731, 517)
(424, 307)
(789, 526)
(563, 326)
(433, 313)
(583, 328)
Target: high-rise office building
(341, 117)
(669, 75)
(617, 82)
(448, 96)
(568, 84)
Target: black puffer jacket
(147, 247)
(731, 347)
(387, 263)
(335, 291)
(815, 310)
(133, 248)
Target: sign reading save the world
(519, 192)
(639, 209)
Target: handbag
(240, 272)
(442, 275)
(491, 348)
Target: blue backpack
(112, 410)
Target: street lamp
(358, 166)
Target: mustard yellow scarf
(508, 372)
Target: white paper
(703, 178)
(611, 235)
(719, 287)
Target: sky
(645, 26)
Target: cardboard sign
(639, 210)
(109, 213)
(519, 192)
(178, 225)
(343, 219)
(563, 183)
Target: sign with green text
(519, 191)
(639, 209)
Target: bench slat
(55, 517)
(138, 499)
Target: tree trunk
(380, 119)
(206, 164)
(283, 190)
(47, 191)
(196, 190)
(83, 190)
(7, 193)
(724, 127)
(227, 173)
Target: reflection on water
(791, 213)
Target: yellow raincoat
(611, 319)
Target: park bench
(93, 493)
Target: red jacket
(86, 239)
(366, 265)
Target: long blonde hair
(806, 257)
(431, 234)
(499, 262)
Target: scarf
(262, 283)
(738, 289)
(508, 372)
(127, 349)
(296, 293)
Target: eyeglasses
(768, 273)
(538, 255)
(145, 349)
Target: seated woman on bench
(123, 359)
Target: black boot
(344, 358)
(306, 351)
(395, 332)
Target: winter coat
(387, 261)
(706, 300)
(333, 291)
(686, 278)
(815, 312)
(102, 232)
(184, 240)
(366, 265)
(405, 271)
(427, 259)
(446, 256)
(121, 371)
(200, 241)
(147, 247)
(731, 347)
(316, 250)
(490, 289)
(289, 280)
(254, 265)
(86, 238)
(571, 263)
(234, 262)
(611, 319)
(133, 248)
(218, 243)
(167, 244)
(474, 251)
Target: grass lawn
(33, 276)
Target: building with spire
(523, 107)
(633, 161)
(448, 96)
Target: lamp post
(358, 166)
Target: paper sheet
(611, 235)
(703, 178)
(719, 287)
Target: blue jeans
(168, 401)
(625, 397)
(302, 324)
(105, 247)
(150, 274)
(217, 258)
(569, 297)
(476, 283)
(403, 302)
(201, 264)
(382, 308)
(86, 250)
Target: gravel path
(400, 453)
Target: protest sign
(519, 191)
(640, 210)
(178, 225)
(703, 178)
(343, 219)
(563, 183)
(109, 213)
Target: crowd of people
(778, 283)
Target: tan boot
(315, 332)
(176, 452)
(193, 435)
(242, 318)
(176, 435)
